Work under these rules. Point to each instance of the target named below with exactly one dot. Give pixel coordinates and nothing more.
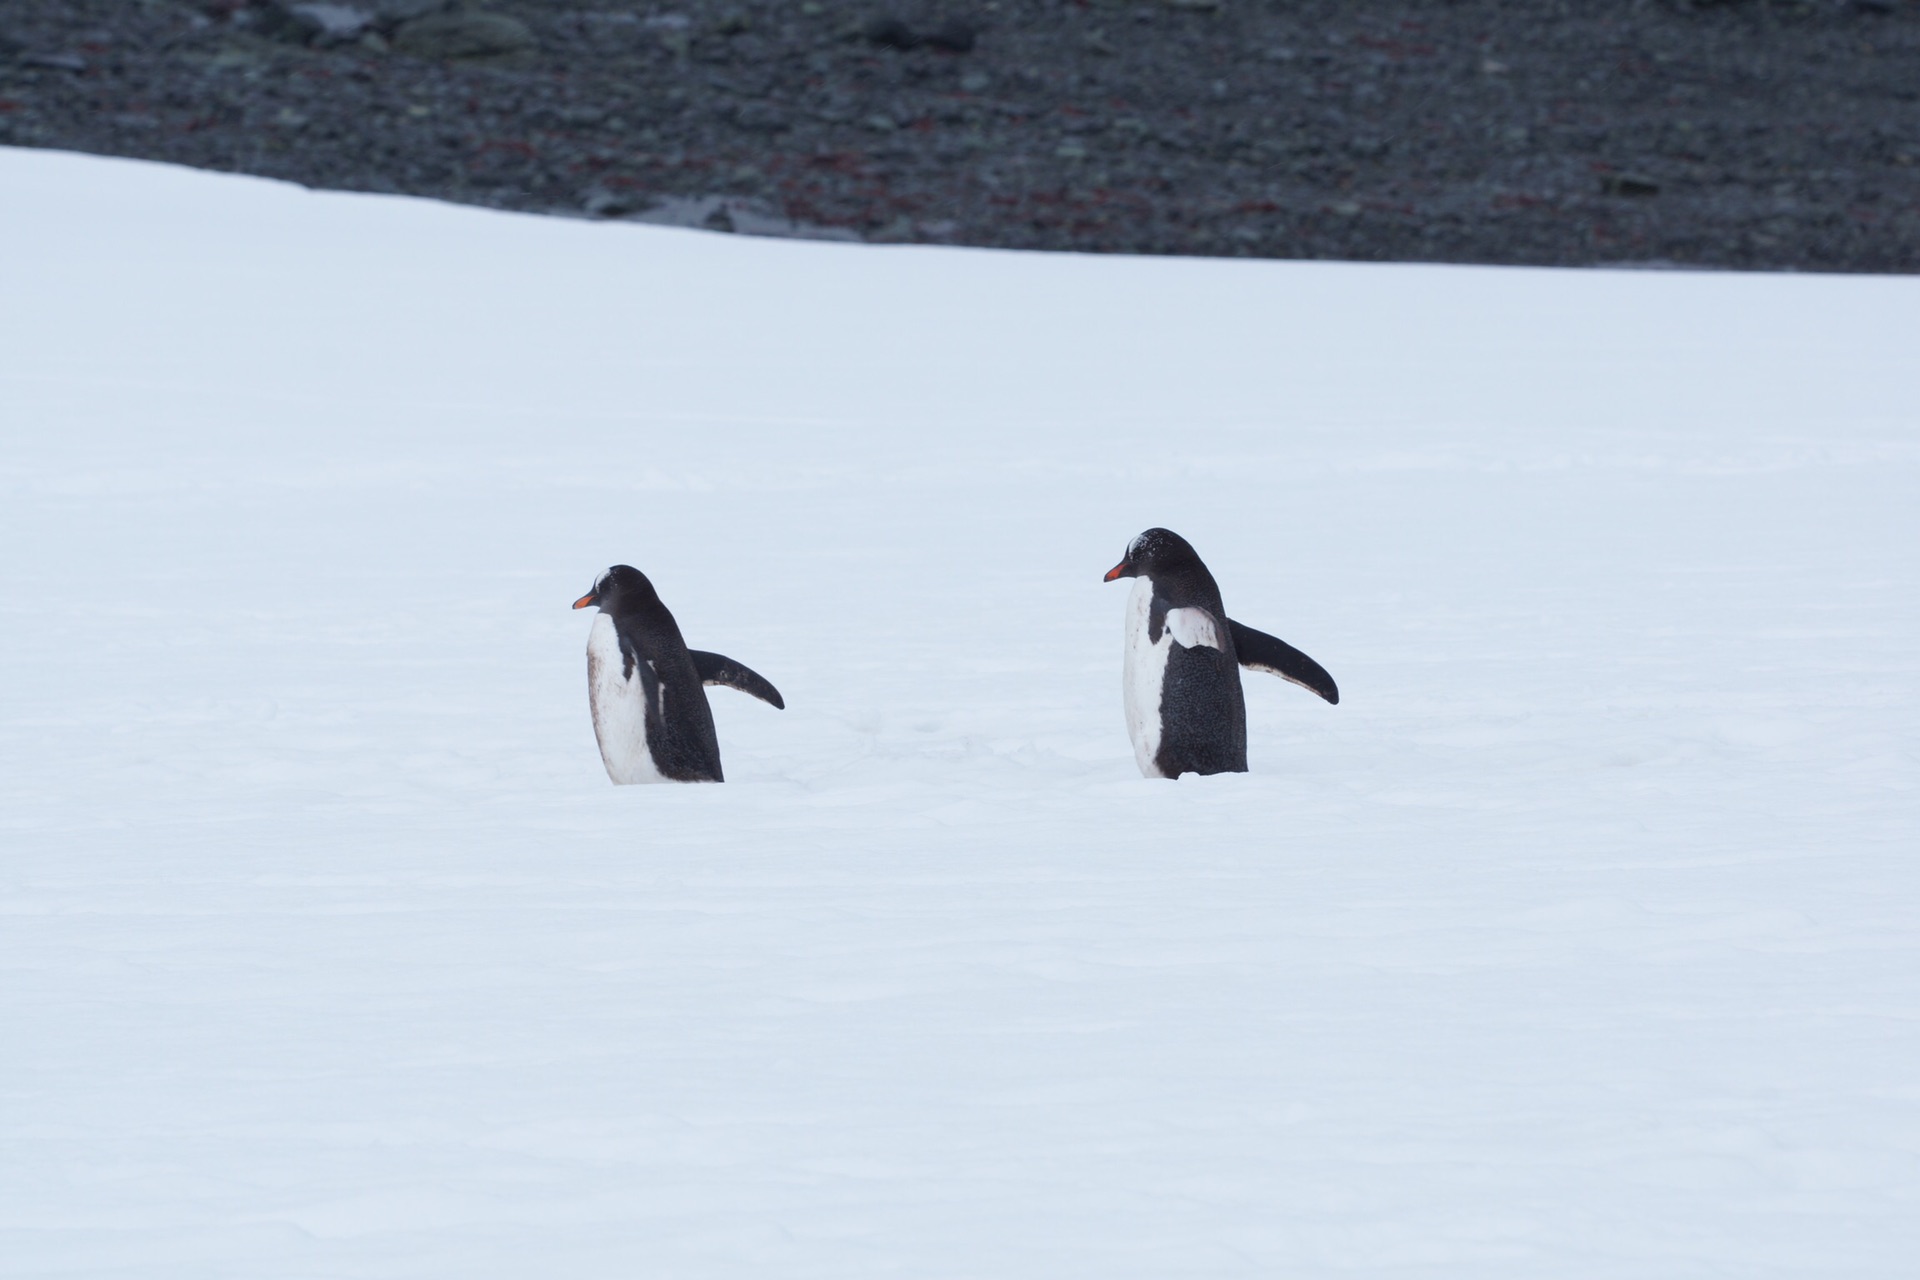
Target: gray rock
(334, 23)
(1628, 184)
(761, 117)
(577, 117)
(672, 32)
(890, 33)
(602, 203)
(281, 22)
(747, 217)
(952, 36)
(391, 13)
(465, 37)
(54, 61)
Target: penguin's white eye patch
(1194, 628)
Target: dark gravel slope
(1736, 134)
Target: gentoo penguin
(1185, 711)
(649, 710)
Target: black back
(1203, 714)
(682, 743)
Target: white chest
(619, 703)
(1142, 677)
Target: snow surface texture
(1581, 939)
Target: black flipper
(1263, 652)
(630, 660)
(1157, 618)
(715, 668)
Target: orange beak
(1116, 571)
(586, 600)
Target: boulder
(1629, 184)
(391, 13)
(465, 37)
(890, 33)
(761, 117)
(953, 36)
(54, 62)
(332, 23)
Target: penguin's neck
(1140, 601)
(603, 641)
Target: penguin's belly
(1142, 675)
(1185, 711)
(619, 704)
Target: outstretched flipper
(1263, 652)
(715, 668)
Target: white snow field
(1581, 940)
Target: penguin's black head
(1156, 549)
(621, 585)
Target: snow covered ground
(1582, 939)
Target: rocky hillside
(1746, 133)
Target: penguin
(650, 710)
(1181, 681)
